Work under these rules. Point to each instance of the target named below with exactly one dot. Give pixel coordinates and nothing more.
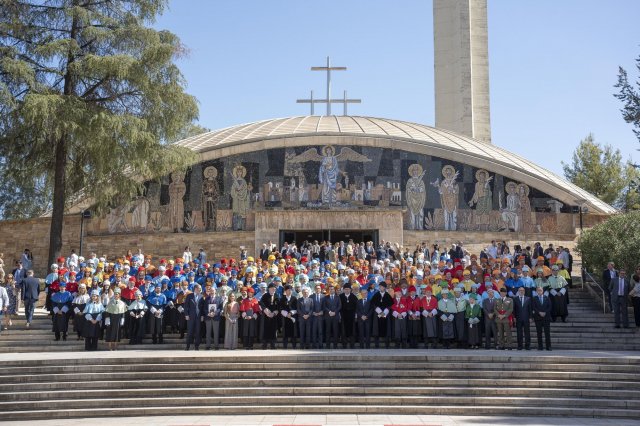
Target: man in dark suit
(30, 292)
(264, 252)
(541, 311)
(332, 308)
(305, 318)
(363, 313)
(522, 311)
(194, 314)
(348, 303)
(619, 288)
(607, 275)
(490, 326)
(318, 316)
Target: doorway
(332, 235)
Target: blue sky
(552, 64)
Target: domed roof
(427, 136)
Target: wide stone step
(311, 375)
(467, 409)
(248, 383)
(63, 394)
(345, 365)
(282, 400)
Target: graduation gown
(114, 320)
(290, 309)
(429, 317)
(380, 303)
(473, 327)
(446, 315)
(61, 305)
(270, 305)
(93, 311)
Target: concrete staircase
(40, 386)
(587, 328)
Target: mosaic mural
(434, 193)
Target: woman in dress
(13, 291)
(231, 314)
(77, 305)
(114, 320)
(93, 316)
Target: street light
(582, 209)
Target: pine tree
(89, 97)
(597, 169)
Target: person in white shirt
(187, 256)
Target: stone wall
(33, 234)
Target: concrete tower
(462, 67)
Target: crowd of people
(316, 295)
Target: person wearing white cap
(77, 305)
(137, 310)
(93, 316)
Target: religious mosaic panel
(433, 193)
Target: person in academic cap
(381, 303)
(472, 316)
(156, 302)
(137, 311)
(446, 315)
(399, 312)
(93, 316)
(429, 311)
(288, 311)
(414, 329)
(270, 305)
(61, 303)
(114, 319)
(77, 305)
(459, 317)
(348, 302)
(558, 295)
(249, 312)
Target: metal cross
(328, 99)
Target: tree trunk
(57, 215)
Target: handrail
(593, 280)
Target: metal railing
(587, 276)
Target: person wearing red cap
(249, 310)
(399, 313)
(415, 318)
(429, 310)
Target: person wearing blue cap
(61, 302)
(93, 316)
(157, 302)
(170, 316)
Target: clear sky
(552, 64)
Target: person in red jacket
(414, 327)
(429, 306)
(249, 311)
(72, 285)
(399, 312)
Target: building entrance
(332, 235)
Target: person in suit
(289, 311)
(305, 318)
(264, 253)
(541, 311)
(331, 309)
(607, 275)
(213, 314)
(522, 311)
(619, 288)
(490, 327)
(363, 314)
(194, 314)
(30, 292)
(318, 316)
(348, 302)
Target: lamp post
(85, 214)
(582, 209)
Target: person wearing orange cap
(415, 317)
(429, 310)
